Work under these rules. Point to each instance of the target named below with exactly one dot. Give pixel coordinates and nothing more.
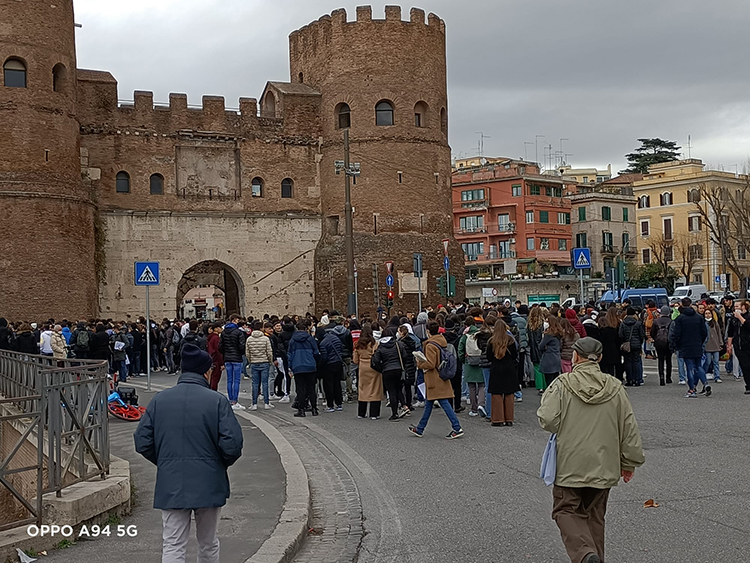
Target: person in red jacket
(213, 349)
(573, 319)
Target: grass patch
(65, 544)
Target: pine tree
(651, 151)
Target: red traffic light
(390, 294)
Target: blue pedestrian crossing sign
(581, 258)
(147, 273)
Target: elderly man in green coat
(597, 443)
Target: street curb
(286, 539)
(291, 530)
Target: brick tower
(384, 80)
(47, 214)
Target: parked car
(694, 292)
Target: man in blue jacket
(687, 338)
(190, 433)
(303, 355)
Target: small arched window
(666, 198)
(287, 185)
(14, 73)
(122, 184)
(301, 78)
(59, 77)
(257, 187)
(156, 184)
(443, 121)
(343, 116)
(269, 105)
(644, 201)
(694, 196)
(384, 113)
(420, 114)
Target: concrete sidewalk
(258, 492)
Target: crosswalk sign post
(581, 262)
(148, 274)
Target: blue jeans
(259, 373)
(712, 361)
(419, 381)
(634, 367)
(446, 406)
(487, 396)
(137, 362)
(695, 373)
(122, 370)
(681, 371)
(234, 373)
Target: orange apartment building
(508, 210)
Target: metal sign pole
(148, 339)
(581, 274)
(419, 288)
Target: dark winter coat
(610, 339)
(688, 334)
(287, 331)
(523, 336)
(6, 338)
(99, 346)
(503, 371)
(663, 321)
(410, 364)
(483, 338)
(386, 356)
(331, 350)
(192, 436)
(550, 348)
(302, 352)
(592, 329)
(633, 329)
(535, 338)
(26, 343)
(195, 339)
(232, 343)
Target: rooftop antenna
(689, 147)
(561, 148)
(480, 144)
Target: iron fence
(53, 430)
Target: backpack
(448, 362)
(473, 352)
(175, 336)
(82, 339)
(662, 335)
(650, 317)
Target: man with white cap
(597, 443)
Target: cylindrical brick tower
(385, 80)
(47, 245)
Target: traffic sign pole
(580, 272)
(148, 339)
(148, 274)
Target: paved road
(480, 499)
(251, 514)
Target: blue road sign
(389, 280)
(717, 279)
(581, 258)
(446, 263)
(147, 273)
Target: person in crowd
(483, 338)
(411, 344)
(740, 344)
(80, 341)
(170, 341)
(502, 354)
(284, 330)
(302, 358)
(369, 381)
(192, 336)
(592, 326)
(137, 337)
(259, 353)
(420, 329)
(58, 343)
(25, 342)
(649, 314)
(525, 367)
(436, 388)
(598, 442)
(332, 370)
(452, 336)
(232, 347)
(65, 332)
(388, 359)
(470, 356)
(570, 335)
(120, 343)
(192, 454)
(45, 341)
(572, 318)
(6, 335)
(550, 348)
(99, 344)
(534, 332)
(212, 345)
(689, 333)
(660, 337)
(632, 335)
(714, 345)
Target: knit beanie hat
(195, 360)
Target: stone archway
(216, 273)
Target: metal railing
(53, 421)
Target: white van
(694, 292)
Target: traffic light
(441, 285)
(452, 286)
(389, 298)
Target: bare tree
(684, 253)
(662, 253)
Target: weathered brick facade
(285, 253)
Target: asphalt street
(480, 499)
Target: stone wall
(273, 255)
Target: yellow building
(670, 226)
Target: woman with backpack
(483, 340)
(549, 348)
(470, 355)
(502, 355)
(714, 344)
(660, 335)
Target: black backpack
(662, 335)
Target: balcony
(470, 230)
(474, 204)
(609, 249)
(491, 256)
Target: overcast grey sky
(600, 73)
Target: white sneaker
(709, 377)
(473, 413)
(236, 407)
(419, 404)
(268, 406)
(284, 399)
(683, 382)
(464, 399)
(518, 399)
(254, 408)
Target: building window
(59, 76)
(472, 224)
(544, 216)
(257, 187)
(122, 183)
(585, 179)
(667, 222)
(530, 243)
(668, 254)
(529, 217)
(698, 278)
(286, 187)
(644, 201)
(665, 198)
(503, 248)
(534, 190)
(624, 214)
(384, 113)
(646, 255)
(581, 213)
(420, 114)
(473, 250)
(343, 116)
(503, 221)
(696, 251)
(563, 218)
(543, 244)
(156, 184)
(581, 240)
(694, 196)
(608, 242)
(14, 73)
(443, 121)
(515, 190)
(472, 195)
(741, 252)
(694, 223)
(645, 228)
(606, 213)
(625, 241)
(562, 244)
